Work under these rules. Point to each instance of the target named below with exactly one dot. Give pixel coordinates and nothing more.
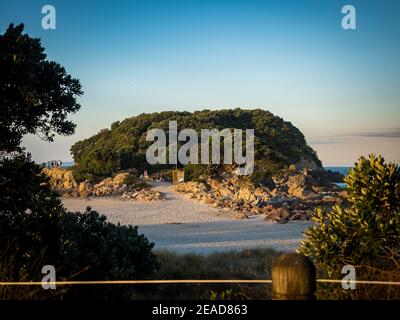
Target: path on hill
(186, 225)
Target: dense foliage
(36, 95)
(365, 233)
(35, 229)
(235, 264)
(277, 142)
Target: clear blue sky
(339, 87)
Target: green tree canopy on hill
(277, 142)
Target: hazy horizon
(339, 87)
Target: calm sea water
(67, 164)
(342, 170)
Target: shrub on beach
(36, 230)
(365, 233)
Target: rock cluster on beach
(294, 196)
(62, 180)
(143, 195)
(115, 186)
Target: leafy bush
(35, 230)
(106, 251)
(366, 232)
(130, 180)
(194, 171)
(141, 185)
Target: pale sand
(185, 225)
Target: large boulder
(111, 186)
(85, 189)
(61, 179)
(120, 179)
(143, 195)
(246, 194)
(300, 185)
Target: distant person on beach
(54, 164)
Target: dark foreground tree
(36, 94)
(36, 97)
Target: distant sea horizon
(342, 170)
(67, 164)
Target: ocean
(67, 164)
(342, 170)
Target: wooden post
(293, 278)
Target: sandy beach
(185, 225)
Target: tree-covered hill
(277, 142)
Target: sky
(339, 87)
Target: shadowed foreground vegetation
(36, 97)
(245, 264)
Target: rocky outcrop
(85, 189)
(294, 197)
(60, 179)
(143, 195)
(237, 194)
(303, 183)
(115, 186)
